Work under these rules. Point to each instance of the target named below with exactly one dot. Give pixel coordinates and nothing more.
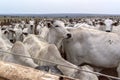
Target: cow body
(94, 47)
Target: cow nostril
(69, 36)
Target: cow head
(58, 27)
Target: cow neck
(52, 38)
(0, 33)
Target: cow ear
(12, 31)
(49, 25)
(115, 24)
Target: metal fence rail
(39, 59)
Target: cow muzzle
(69, 36)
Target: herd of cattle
(69, 42)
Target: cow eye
(56, 26)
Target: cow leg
(118, 70)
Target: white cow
(108, 22)
(10, 34)
(31, 27)
(94, 47)
(19, 49)
(5, 45)
(55, 32)
(5, 41)
(41, 49)
(116, 29)
(43, 32)
(18, 33)
(38, 29)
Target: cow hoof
(43, 68)
(55, 70)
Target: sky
(59, 6)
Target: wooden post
(10, 71)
